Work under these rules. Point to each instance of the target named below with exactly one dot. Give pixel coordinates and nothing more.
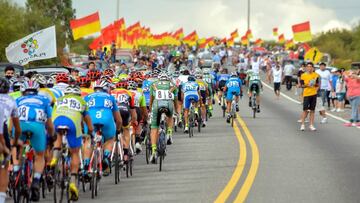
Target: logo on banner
(30, 46)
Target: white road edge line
(298, 102)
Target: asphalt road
(278, 163)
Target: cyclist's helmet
(73, 89)
(106, 78)
(122, 85)
(155, 73)
(234, 74)
(206, 71)
(176, 74)
(198, 73)
(16, 86)
(30, 86)
(163, 76)
(84, 81)
(4, 86)
(132, 85)
(109, 72)
(50, 82)
(39, 79)
(101, 84)
(62, 77)
(94, 75)
(191, 78)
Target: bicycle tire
(97, 182)
(131, 167)
(93, 175)
(254, 112)
(127, 169)
(148, 149)
(43, 187)
(116, 160)
(17, 193)
(160, 162)
(199, 121)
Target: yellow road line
(224, 195)
(245, 188)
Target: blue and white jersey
(190, 88)
(222, 77)
(101, 101)
(34, 108)
(57, 92)
(233, 84)
(146, 90)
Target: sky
(221, 17)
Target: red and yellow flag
(289, 44)
(249, 34)
(230, 42)
(191, 37)
(281, 39)
(244, 40)
(275, 32)
(302, 32)
(259, 42)
(85, 26)
(234, 34)
(179, 34)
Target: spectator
(299, 88)
(113, 52)
(333, 97)
(9, 72)
(288, 72)
(277, 75)
(340, 90)
(310, 82)
(91, 66)
(324, 90)
(353, 93)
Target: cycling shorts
(188, 98)
(179, 93)
(254, 86)
(6, 136)
(107, 120)
(203, 96)
(222, 84)
(38, 138)
(73, 141)
(125, 116)
(232, 91)
(156, 114)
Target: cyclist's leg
(203, 107)
(125, 115)
(4, 176)
(154, 132)
(108, 133)
(170, 123)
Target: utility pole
(248, 17)
(117, 9)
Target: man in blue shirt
(233, 88)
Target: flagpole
(248, 17)
(118, 9)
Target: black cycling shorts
(222, 84)
(125, 116)
(309, 103)
(6, 136)
(179, 93)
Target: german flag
(289, 44)
(179, 34)
(302, 32)
(249, 34)
(191, 37)
(85, 26)
(234, 34)
(281, 39)
(244, 40)
(275, 32)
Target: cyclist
(69, 111)
(35, 117)
(183, 78)
(232, 87)
(141, 111)
(163, 95)
(8, 110)
(204, 93)
(221, 82)
(190, 91)
(84, 82)
(44, 90)
(103, 110)
(254, 84)
(126, 103)
(209, 79)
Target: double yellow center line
(245, 188)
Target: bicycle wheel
(131, 166)
(199, 121)
(43, 187)
(116, 162)
(148, 149)
(93, 175)
(160, 162)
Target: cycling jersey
(101, 108)
(86, 91)
(57, 93)
(139, 98)
(202, 88)
(233, 86)
(69, 111)
(15, 95)
(46, 92)
(164, 94)
(61, 86)
(190, 90)
(146, 90)
(222, 78)
(7, 109)
(33, 111)
(125, 101)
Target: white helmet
(73, 89)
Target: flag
(306, 46)
(230, 42)
(289, 44)
(179, 34)
(249, 34)
(36, 46)
(275, 32)
(302, 32)
(191, 37)
(281, 39)
(85, 26)
(259, 42)
(234, 34)
(244, 40)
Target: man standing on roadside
(277, 75)
(310, 82)
(324, 91)
(288, 72)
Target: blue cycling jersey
(190, 88)
(233, 83)
(34, 108)
(101, 101)
(222, 77)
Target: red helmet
(109, 72)
(94, 75)
(122, 85)
(84, 81)
(62, 77)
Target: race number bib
(164, 95)
(70, 103)
(40, 115)
(23, 113)
(122, 98)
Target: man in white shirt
(255, 65)
(288, 72)
(277, 75)
(324, 90)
